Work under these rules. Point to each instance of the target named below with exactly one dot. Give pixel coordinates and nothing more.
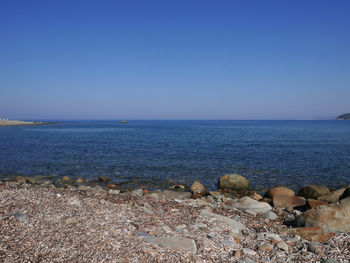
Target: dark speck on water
(268, 153)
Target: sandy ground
(17, 123)
(40, 224)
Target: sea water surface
(268, 153)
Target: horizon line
(155, 119)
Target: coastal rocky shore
(77, 221)
(18, 123)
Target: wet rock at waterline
(234, 182)
(280, 190)
(313, 191)
(198, 189)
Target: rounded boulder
(234, 182)
(280, 190)
(198, 189)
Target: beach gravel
(40, 224)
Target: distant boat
(123, 122)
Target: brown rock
(234, 181)
(104, 179)
(237, 254)
(315, 203)
(196, 196)
(313, 191)
(331, 218)
(21, 179)
(266, 200)
(79, 180)
(288, 201)
(198, 189)
(32, 180)
(112, 186)
(313, 234)
(333, 196)
(279, 191)
(65, 178)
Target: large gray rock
(234, 182)
(247, 203)
(331, 218)
(171, 195)
(181, 244)
(233, 223)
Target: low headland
(344, 117)
(18, 123)
(73, 220)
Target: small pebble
(79, 180)
(314, 248)
(237, 254)
(167, 229)
(211, 235)
(282, 245)
(142, 234)
(274, 237)
(227, 242)
(264, 246)
(249, 251)
(21, 217)
(250, 212)
(270, 215)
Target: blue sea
(268, 153)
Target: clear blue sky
(66, 59)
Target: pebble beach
(41, 222)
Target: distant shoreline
(4, 123)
